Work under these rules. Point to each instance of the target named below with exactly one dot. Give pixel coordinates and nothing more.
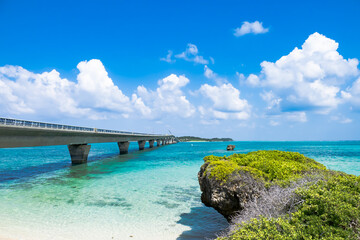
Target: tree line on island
(199, 139)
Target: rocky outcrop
(280, 195)
(233, 183)
(231, 196)
(230, 147)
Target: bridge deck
(20, 133)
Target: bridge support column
(158, 142)
(79, 153)
(123, 147)
(163, 142)
(141, 144)
(151, 143)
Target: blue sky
(205, 68)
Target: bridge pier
(79, 153)
(123, 147)
(158, 142)
(141, 144)
(151, 143)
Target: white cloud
(93, 96)
(24, 92)
(191, 55)
(47, 95)
(167, 98)
(274, 123)
(341, 119)
(309, 78)
(296, 116)
(208, 73)
(346, 120)
(209, 122)
(226, 102)
(140, 105)
(96, 90)
(253, 80)
(273, 102)
(355, 89)
(273, 110)
(241, 77)
(250, 27)
(168, 58)
(352, 94)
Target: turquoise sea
(153, 194)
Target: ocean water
(152, 194)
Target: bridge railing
(31, 124)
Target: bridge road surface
(20, 133)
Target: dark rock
(231, 196)
(230, 147)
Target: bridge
(20, 133)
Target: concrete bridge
(20, 133)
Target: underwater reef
(280, 195)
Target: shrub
(330, 209)
(272, 166)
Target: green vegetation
(271, 166)
(199, 139)
(330, 210)
(325, 209)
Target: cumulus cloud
(96, 90)
(191, 54)
(210, 74)
(24, 92)
(253, 80)
(167, 98)
(309, 78)
(94, 95)
(352, 94)
(226, 102)
(250, 27)
(139, 104)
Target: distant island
(199, 139)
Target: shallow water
(141, 195)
